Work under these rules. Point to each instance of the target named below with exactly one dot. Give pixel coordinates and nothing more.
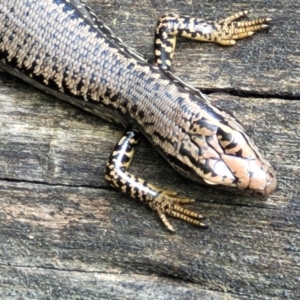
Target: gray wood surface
(64, 234)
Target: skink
(61, 47)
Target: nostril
(272, 183)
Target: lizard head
(215, 149)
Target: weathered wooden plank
(62, 229)
(94, 229)
(74, 284)
(45, 140)
(245, 251)
(266, 63)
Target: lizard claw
(228, 31)
(168, 203)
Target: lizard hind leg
(164, 202)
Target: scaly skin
(60, 47)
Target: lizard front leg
(224, 32)
(164, 202)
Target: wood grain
(65, 234)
